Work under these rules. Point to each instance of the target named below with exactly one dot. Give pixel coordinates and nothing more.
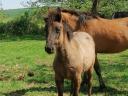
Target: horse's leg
(89, 73)
(98, 72)
(59, 84)
(76, 84)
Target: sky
(12, 4)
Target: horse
(74, 55)
(110, 36)
(119, 14)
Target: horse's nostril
(46, 48)
(49, 49)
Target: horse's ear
(69, 35)
(58, 16)
(59, 10)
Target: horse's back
(110, 36)
(84, 39)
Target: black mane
(78, 13)
(53, 15)
(82, 18)
(69, 31)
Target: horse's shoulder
(81, 34)
(82, 37)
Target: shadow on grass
(23, 91)
(114, 92)
(108, 92)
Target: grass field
(22, 57)
(12, 14)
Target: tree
(95, 4)
(37, 3)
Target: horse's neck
(89, 26)
(64, 48)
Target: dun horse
(110, 36)
(75, 54)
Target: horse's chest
(65, 71)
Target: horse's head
(56, 29)
(53, 28)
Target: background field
(12, 13)
(20, 57)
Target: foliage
(106, 7)
(30, 23)
(40, 3)
(83, 5)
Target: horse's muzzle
(49, 50)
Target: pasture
(20, 58)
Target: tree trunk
(94, 6)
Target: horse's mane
(53, 14)
(68, 30)
(82, 16)
(78, 13)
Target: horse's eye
(57, 30)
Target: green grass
(20, 57)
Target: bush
(28, 24)
(106, 7)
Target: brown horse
(75, 54)
(110, 36)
